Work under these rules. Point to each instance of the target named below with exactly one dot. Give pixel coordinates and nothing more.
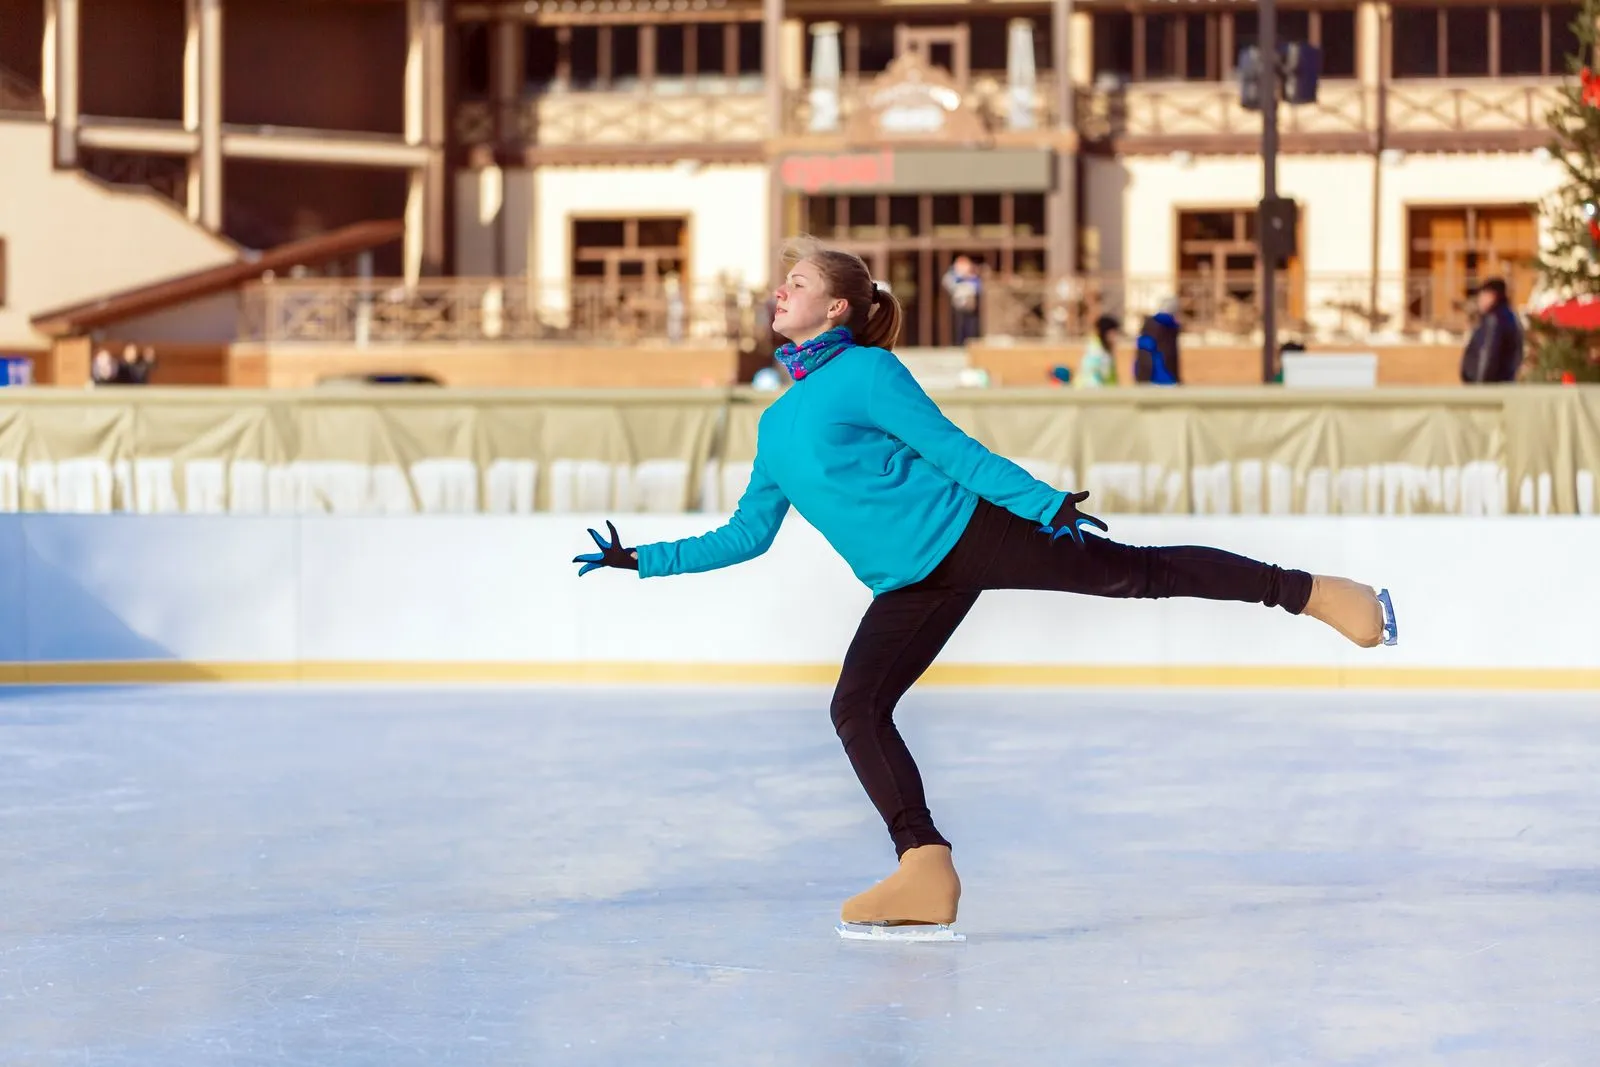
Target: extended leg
(1002, 551)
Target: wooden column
(774, 77)
(506, 78)
(1061, 214)
(62, 27)
(202, 109)
(424, 126)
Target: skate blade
(902, 932)
(1391, 629)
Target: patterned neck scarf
(803, 359)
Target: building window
(867, 45)
(638, 252)
(1451, 249)
(1162, 45)
(1483, 41)
(664, 57)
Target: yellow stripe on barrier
(153, 672)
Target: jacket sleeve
(897, 405)
(749, 533)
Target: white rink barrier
(1500, 602)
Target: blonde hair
(875, 315)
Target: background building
(621, 171)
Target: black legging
(904, 630)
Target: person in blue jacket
(928, 519)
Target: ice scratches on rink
(1163, 879)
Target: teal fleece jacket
(868, 459)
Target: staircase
(938, 368)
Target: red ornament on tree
(1591, 87)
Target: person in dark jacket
(1157, 361)
(1494, 352)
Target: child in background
(1099, 365)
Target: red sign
(845, 170)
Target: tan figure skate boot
(1349, 607)
(924, 890)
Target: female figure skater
(928, 519)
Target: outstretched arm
(746, 535)
(897, 404)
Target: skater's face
(804, 306)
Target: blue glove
(1068, 520)
(610, 555)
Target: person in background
(1099, 366)
(964, 285)
(104, 370)
(1494, 351)
(137, 365)
(1287, 346)
(1157, 362)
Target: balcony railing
(1165, 111)
(323, 311)
(1478, 105)
(1201, 109)
(609, 118)
(1325, 308)
(1179, 110)
(1227, 307)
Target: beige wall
(70, 239)
(1140, 196)
(726, 207)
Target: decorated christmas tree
(1563, 337)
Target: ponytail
(882, 326)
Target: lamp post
(1267, 218)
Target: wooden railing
(584, 118)
(1424, 106)
(1177, 110)
(1166, 111)
(1477, 105)
(385, 311)
(1331, 308)
(1318, 307)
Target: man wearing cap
(1494, 352)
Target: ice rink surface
(546, 876)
